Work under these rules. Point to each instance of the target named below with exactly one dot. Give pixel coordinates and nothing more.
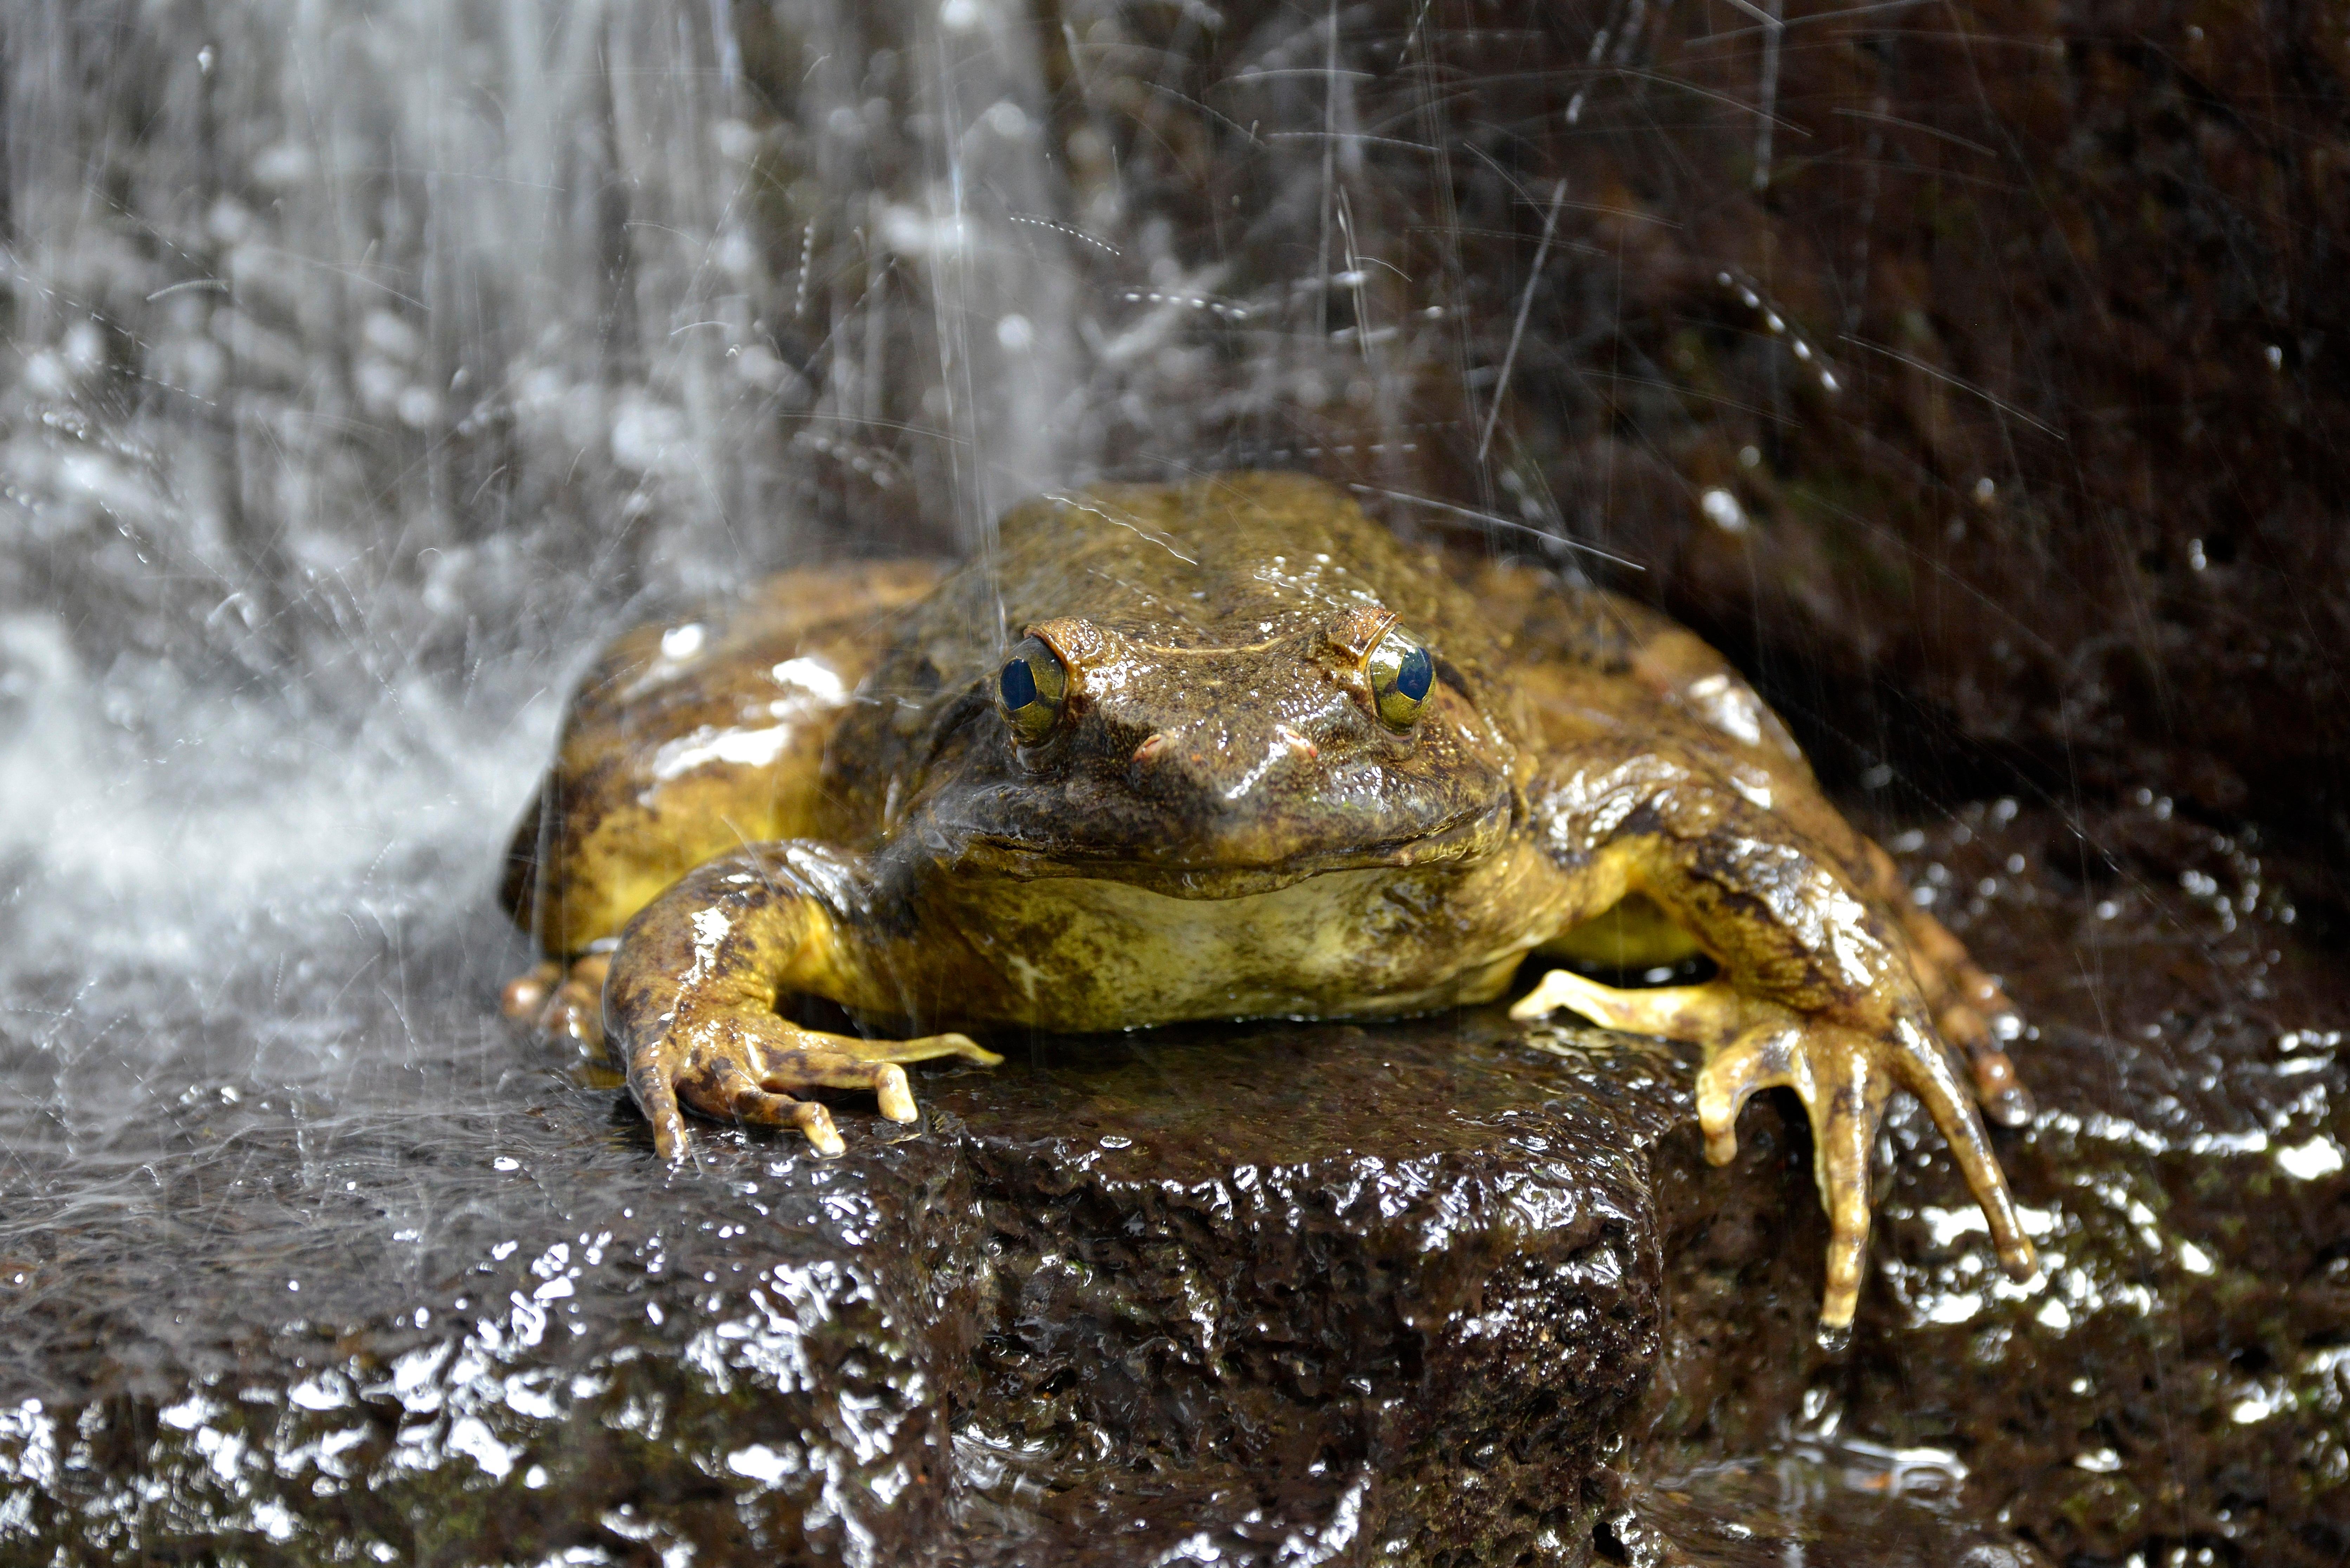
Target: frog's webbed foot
(1990, 1070)
(560, 1003)
(748, 1067)
(690, 1004)
(1975, 1015)
(1842, 1074)
(527, 993)
(1968, 1006)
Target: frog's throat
(1468, 838)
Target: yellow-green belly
(1077, 954)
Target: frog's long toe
(874, 1065)
(1978, 1036)
(2004, 1100)
(1969, 1006)
(1764, 1057)
(1844, 1078)
(722, 1090)
(1843, 1087)
(1708, 1014)
(575, 1010)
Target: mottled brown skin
(821, 797)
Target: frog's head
(1226, 768)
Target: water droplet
(2320, 1157)
(1006, 119)
(1722, 510)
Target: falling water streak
(1450, 291)
(1766, 91)
(1872, 182)
(1494, 520)
(1916, 364)
(1518, 328)
(1329, 171)
(951, 314)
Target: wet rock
(1824, 1505)
(1236, 1293)
(458, 1334)
(1445, 1291)
(1386, 1292)
(2178, 1383)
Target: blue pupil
(1019, 685)
(1413, 676)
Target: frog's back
(691, 736)
(816, 706)
(1229, 561)
(1235, 560)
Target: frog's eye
(1401, 674)
(1030, 690)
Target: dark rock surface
(1240, 1294)
(2181, 1384)
(1446, 1291)
(1389, 1290)
(2068, 510)
(324, 454)
(486, 1332)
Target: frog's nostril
(1305, 749)
(1151, 747)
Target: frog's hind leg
(1972, 1011)
(563, 1003)
(1817, 992)
(1751, 1045)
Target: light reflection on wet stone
(1131, 1291)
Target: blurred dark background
(1973, 372)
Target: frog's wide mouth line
(1469, 837)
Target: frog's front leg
(689, 1002)
(1815, 992)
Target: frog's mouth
(1221, 870)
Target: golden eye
(1030, 690)
(1401, 675)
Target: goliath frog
(1222, 749)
